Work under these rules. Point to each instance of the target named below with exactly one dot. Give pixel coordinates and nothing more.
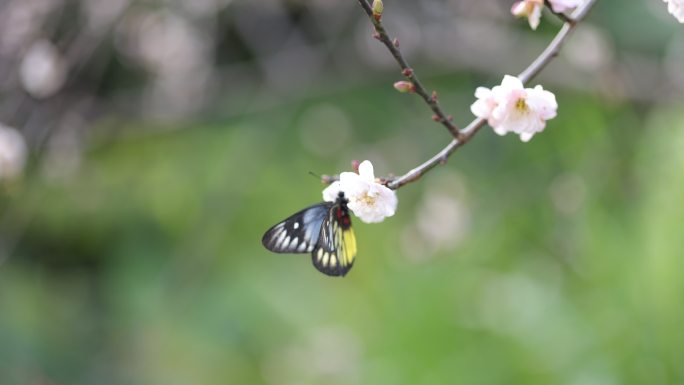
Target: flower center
(521, 105)
(367, 199)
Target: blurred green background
(167, 137)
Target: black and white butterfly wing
(335, 250)
(300, 232)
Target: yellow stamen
(367, 199)
(521, 105)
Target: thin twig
(471, 129)
(393, 46)
(529, 73)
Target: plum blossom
(532, 9)
(559, 6)
(372, 202)
(510, 107)
(13, 152)
(676, 8)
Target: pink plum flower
(510, 107)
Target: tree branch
(465, 135)
(528, 74)
(393, 46)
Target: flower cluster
(372, 202)
(676, 8)
(532, 9)
(510, 107)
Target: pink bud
(404, 87)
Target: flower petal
(331, 192)
(366, 171)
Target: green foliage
(145, 267)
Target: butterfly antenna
(315, 175)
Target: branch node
(355, 165)
(408, 72)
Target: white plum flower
(510, 107)
(369, 200)
(531, 9)
(676, 8)
(564, 5)
(13, 152)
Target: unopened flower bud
(378, 7)
(404, 87)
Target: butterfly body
(324, 230)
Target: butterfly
(324, 230)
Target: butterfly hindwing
(335, 250)
(300, 232)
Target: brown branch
(529, 73)
(393, 46)
(551, 51)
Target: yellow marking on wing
(349, 247)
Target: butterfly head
(342, 198)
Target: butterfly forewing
(300, 232)
(336, 248)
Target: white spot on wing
(296, 225)
(302, 247)
(279, 240)
(293, 244)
